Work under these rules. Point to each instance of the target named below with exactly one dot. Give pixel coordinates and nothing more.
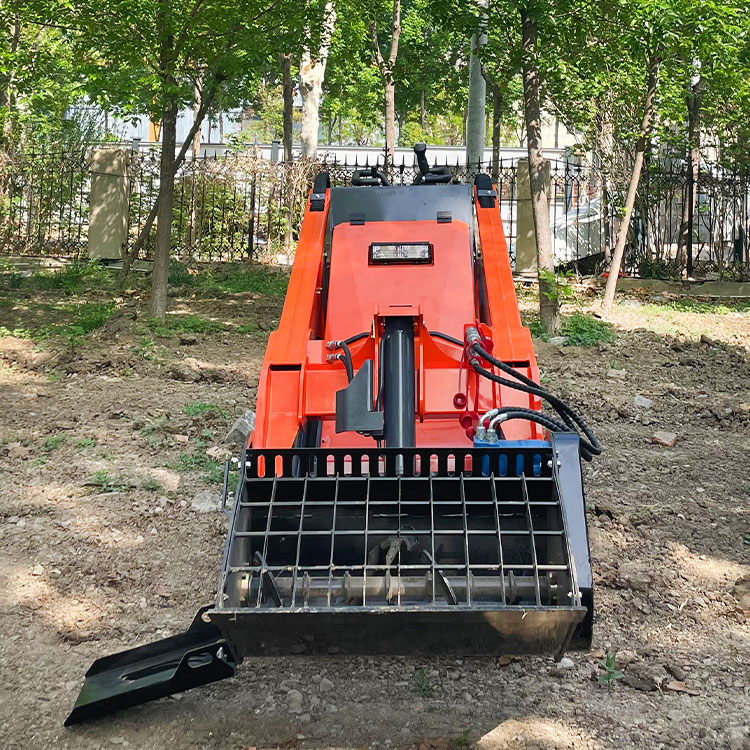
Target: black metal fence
(240, 205)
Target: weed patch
(579, 329)
(196, 408)
(174, 326)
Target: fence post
(525, 231)
(108, 203)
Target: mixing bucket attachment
(408, 551)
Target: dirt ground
(103, 461)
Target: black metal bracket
(196, 657)
(354, 405)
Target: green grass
(231, 279)
(196, 408)
(199, 462)
(85, 443)
(70, 279)
(579, 329)
(81, 320)
(107, 483)
(690, 305)
(424, 686)
(174, 325)
(53, 441)
(150, 484)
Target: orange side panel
(512, 340)
(280, 390)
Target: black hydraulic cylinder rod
(398, 383)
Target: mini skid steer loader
(402, 492)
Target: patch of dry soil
(86, 572)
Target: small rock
(707, 340)
(219, 453)
(187, 339)
(305, 718)
(614, 374)
(633, 575)
(558, 340)
(206, 501)
(181, 438)
(37, 570)
(625, 657)
(504, 660)
(19, 451)
(564, 664)
(643, 402)
(677, 346)
(646, 676)
(678, 686)
(667, 439)
(674, 715)
(183, 371)
(676, 671)
(295, 699)
(325, 685)
(331, 709)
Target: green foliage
(658, 268)
(557, 285)
(232, 279)
(85, 443)
(197, 408)
(586, 330)
(81, 320)
(462, 741)
(151, 484)
(107, 483)
(199, 462)
(53, 441)
(174, 325)
(71, 279)
(145, 348)
(579, 329)
(424, 686)
(611, 673)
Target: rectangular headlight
(400, 252)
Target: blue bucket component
(500, 446)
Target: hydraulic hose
(573, 422)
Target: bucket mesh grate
(397, 528)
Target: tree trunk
(497, 112)
(288, 95)
(549, 304)
(422, 111)
(386, 66)
(389, 90)
(312, 72)
(196, 148)
(476, 110)
(206, 101)
(640, 152)
(7, 89)
(160, 275)
(693, 101)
